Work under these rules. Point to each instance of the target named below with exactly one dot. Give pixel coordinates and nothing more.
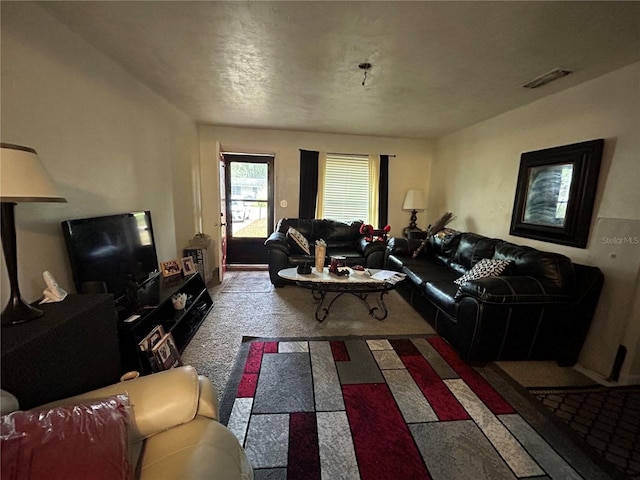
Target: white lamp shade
(414, 200)
(23, 178)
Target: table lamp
(23, 178)
(414, 201)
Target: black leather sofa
(540, 308)
(341, 238)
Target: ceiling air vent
(554, 74)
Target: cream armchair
(175, 431)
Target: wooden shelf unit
(158, 310)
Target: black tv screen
(114, 249)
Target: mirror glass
(548, 190)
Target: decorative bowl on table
(360, 270)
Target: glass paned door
(249, 188)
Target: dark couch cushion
(442, 295)
(418, 271)
(304, 226)
(444, 243)
(472, 248)
(352, 257)
(548, 267)
(341, 233)
(513, 290)
(338, 232)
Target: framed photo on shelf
(165, 353)
(152, 339)
(170, 268)
(188, 267)
(149, 342)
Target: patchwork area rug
(390, 408)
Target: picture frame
(152, 338)
(147, 344)
(555, 193)
(188, 266)
(170, 268)
(166, 354)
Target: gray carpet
(246, 282)
(246, 304)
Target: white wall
(475, 171)
(408, 169)
(110, 143)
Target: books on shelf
(389, 276)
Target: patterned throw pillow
(299, 240)
(487, 267)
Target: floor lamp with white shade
(23, 178)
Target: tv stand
(157, 309)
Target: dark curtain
(308, 184)
(383, 192)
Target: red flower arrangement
(374, 235)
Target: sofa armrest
(158, 402)
(278, 241)
(208, 399)
(366, 248)
(398, 246)
(513, 290)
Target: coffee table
(358, 285)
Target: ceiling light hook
(366, 66)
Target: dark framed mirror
(555, 193)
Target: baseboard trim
(624, 381)
(247, 267)
(627, 379)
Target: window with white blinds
(346, 188)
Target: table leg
(373, 310)
(379, 311)
(320, 296)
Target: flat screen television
(115, 249)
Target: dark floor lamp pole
(17, 310)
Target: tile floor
(608, 419)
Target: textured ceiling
(437, 66)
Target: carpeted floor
(241, 311)
(396, 408)
(545, 374)
(246, 304)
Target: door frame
(252, 249)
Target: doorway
(249, 185)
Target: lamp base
(18, 311)
(413, 219)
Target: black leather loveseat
(539, 308)
(341, 238)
